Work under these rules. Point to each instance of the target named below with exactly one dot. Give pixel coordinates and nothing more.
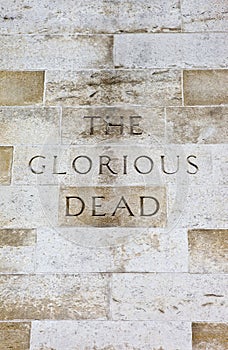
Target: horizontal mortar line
(92, 34)
(111, 274)
(91, 320)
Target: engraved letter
(108, 125)
(194, 165)
(142, 211)
(132, 125)
(105, 164)
(147, 171)
(91, 132)
(31, 167)
(55, 166)
(163, 166)
(126, 206)
(85, 171)
(68, 206)
(94, 206)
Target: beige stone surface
(211, 336)
(54, 296)
(177, 50)
(111, 335)
(205, 87)
(42, 52)
(116, 87)
(197, 206)
(208, 251)
(29, 125)
(28, 206)
(220, 160)
(6, 161)
(77, 130)
(15, 335)
(113, 206)
(197, 125)
(164, 297)
(204, 15)
(21, 88)
(117, 249)
(17, 250)
(102, 16)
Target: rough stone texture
(197, 207)
(54, 297)
(113, 206)
(211, 336)
(82, 16)
(118, 250)
(15, 335)
(17, 251)
(6, 160)
(171, 50)
(220, 159)
(26, 52)
(116, 87)
(205, 87)
(204, 15)
(29, 125)
(76, 129)
(197, 125)
(208, 251)
(109, 335)
(29, 206)
(164, 297)
(21, 88)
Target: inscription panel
(112, 206)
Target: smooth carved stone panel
(137, 206)
(54, 52)
(208, 251)
(17, 250)
(29, 125)
(114, 87)
(197, 125)
(164, 297)
(15, 335)
(211, 336)
(171, 50)
(134, 124)
(102, 335)
(102, 16)
(6, 161)
(205, 87)
(111, 250)
(204, 15)
(21, 88)
(54, 297)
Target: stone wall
(113, 174)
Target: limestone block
(82, 16)
(177, 50)
(110, 250)
(102, 335)
(29, 206)
(208, 251)
(28, 52)
(6, 160)
(114, 87)
(21, 88)
(17, 250)
(197, 125)
(15, 335)
(211, 336)
(164, 297)
(205, 87)
(29, 125)
(204, 15)
(54, 297)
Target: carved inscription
(113, 206)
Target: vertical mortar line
(109, 314)
(45, 87)
(182, 87)
(181, 6)
(30, 338)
